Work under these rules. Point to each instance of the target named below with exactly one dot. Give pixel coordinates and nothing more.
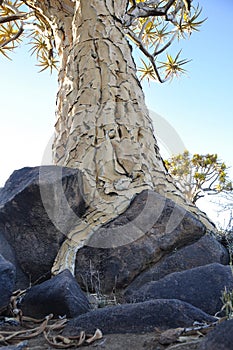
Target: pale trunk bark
(103, 126)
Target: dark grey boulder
(21, 280)
(220, 338)
(37, 208)
(7, 282)
(138, 317)
(61, 295)
(201, 286)
(150, 228)
(206, 250)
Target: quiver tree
(199, 175)
(103, 126)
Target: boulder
(21, 280)
(61, 295)
(201, 286)
(155, 225)
(221, 338)
(37, 208)
(138, 317)
(206, 250)
(7, 282)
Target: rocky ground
(156, 340)
(148, 341)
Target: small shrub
(94, 291)
(227, 300)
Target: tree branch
(143, 28)
(156, 53)
(215, 178)
(14, 37)
(146, 53)
(140, 10)
(134, 3)
(197, 196)
(151, 8)
(15, 17)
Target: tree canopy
(152, 25)
(199, 174)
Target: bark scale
(103, 126)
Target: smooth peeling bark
(103, 126)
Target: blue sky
(199, 106)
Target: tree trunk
(103, 127)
